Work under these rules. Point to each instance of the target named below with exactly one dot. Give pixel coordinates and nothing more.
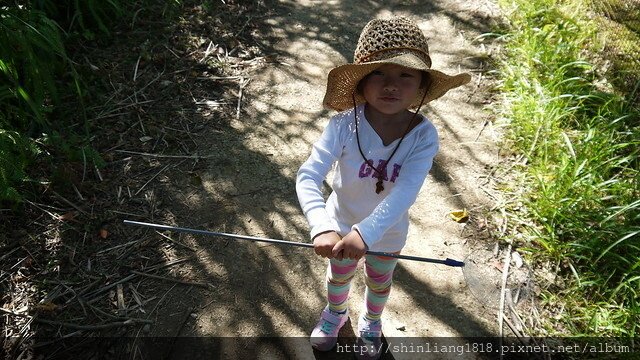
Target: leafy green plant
(32, 57)
(15, 151)
(32, 54)
(582, 149)
(86, 16)
(36, 74)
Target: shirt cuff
(320, 221)
(369, 238)
(322, 228)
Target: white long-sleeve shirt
(381, 219)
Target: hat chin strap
(380, 173)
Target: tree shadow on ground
(262, 273)
(182, 154)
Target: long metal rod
(447, 261)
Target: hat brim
(343, 80)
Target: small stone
(146, 329)
(517, 259)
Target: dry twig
(201, 284)
(242, 83)
(153, 177)
(135, 71)
(161, 300)
(207, 52)
(96, 294)
(127, 322)
(196, 156)
(69, 202)
(175, 242)
(120, 298)
(505, 275)
(118, 246)
(165, 264)
(484, 125)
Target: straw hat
(387, 41)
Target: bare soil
(206, 123)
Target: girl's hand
(351, 246)
(324, 242)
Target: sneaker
(325, 335)
(369, 342)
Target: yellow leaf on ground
(459, 215)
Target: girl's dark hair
(425, 82)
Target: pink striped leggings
(378, 272)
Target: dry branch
(196, 156)
(505, 275)
(69, 202)
(127, 322)
(165, 264)
(242, 83)
(148, 181)
(175, 242)
(96, 294)
(201, 284)
(118, 246)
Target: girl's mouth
(388, 99)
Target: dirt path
(247, 187)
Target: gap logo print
(367, 171)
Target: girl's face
(390, 89)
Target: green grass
(32, 55)
(580, 184)
(42, 114)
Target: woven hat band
(385, 54)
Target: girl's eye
(407, 75)
(376, 72)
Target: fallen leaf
(103, 233)
(497, 264)
(28, 262)
(459, 215)
(47, 307)
(68, 216)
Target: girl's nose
(390, 83)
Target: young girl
(383, 152)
